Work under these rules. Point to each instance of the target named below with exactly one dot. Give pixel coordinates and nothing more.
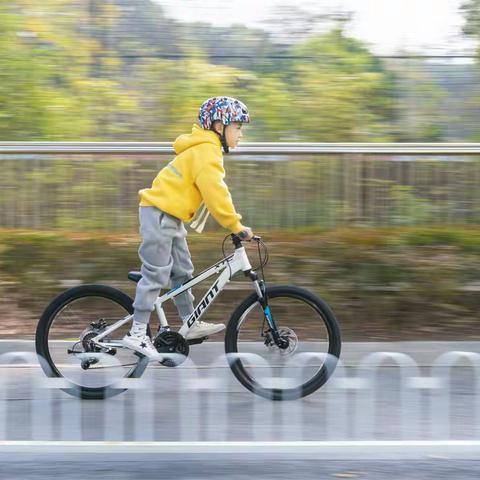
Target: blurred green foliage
(384, 284)
(471, 10)
(48, 89)
(118, 69)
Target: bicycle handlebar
(237, 239)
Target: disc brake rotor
(288, 335)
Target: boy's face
(233, 134)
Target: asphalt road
(187, 467)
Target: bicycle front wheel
(63, 340)
(310, 350)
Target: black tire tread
(59, 302)
(334, 343)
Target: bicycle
(79, 333)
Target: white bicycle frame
(227, 267)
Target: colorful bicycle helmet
(225, 109)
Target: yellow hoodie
(196, 174)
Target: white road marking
(327, 450)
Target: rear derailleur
(89, 346)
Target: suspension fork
(261, 290)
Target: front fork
(261, 290)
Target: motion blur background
(391, 242)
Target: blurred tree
(136, 28)
(421, 116)
(108, 69)
(471, 28)
(291, 23)
(471, 11)
(23, 109)
(46, 91)
(174, 89)
(340, 93)
(343, 93)
(236, 46)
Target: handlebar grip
(255, 238)
(241, 236)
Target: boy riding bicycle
(187, 189)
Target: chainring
(173, 343)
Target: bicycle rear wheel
(63, 340)
(312, 336)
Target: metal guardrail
(266, 148)
(423, 405)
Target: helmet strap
(223, 138)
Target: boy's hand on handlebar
(246, 234)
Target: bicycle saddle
(134, 276)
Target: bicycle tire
(42, 338)
(334, 344)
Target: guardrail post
(440, 407)
(409, 400)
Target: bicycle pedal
(196, 341)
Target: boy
(191, 182)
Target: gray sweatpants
(165, 261)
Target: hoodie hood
(198, 136)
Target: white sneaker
(203, 329)
(141, 344)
